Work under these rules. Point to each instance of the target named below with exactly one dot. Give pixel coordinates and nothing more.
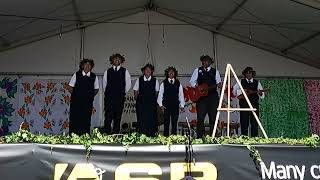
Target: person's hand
(162, 108)
(136, 95)
(181, 109)
(219, 85)
(70, 89)
(248, 92)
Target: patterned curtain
(43, 106)
(312, 89)
(8, 93)
(284, 110)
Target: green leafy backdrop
(284, 110)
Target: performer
(116, 83)
(254, 91)
(83, 86)
(209, 104)
(145, 92)
(170, 100)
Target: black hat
(206, 58)
(116, 55)
(166, 72)
(147, 66)
(85, 61)
(248, 69)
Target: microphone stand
(189, 153)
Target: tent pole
(215, 49)
(82, 37)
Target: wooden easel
(227, 79)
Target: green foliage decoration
(126, 140)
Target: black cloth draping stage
(108, 162)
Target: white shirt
(237, 91)
(161, 91)
(194, 77)
(74, 79)
(136, 85)
(127, 76)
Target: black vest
(254, 98)
(147, 92)
(116, 83)
(207, 77)
(84, 86)
(171, 94)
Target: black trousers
(247, 117)
(80, 115)
(147, 118)
(206, 105)
(170, 115)
(113, 108)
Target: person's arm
(194, 78)
(105, 80)
(181, 98)
(236, 90)
(128, 81)
(218, 79)
(157, 87)
(260, 93)
(136, 89)
(72, 82)
(160, 97)
(96, 86)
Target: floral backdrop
(43, 106)
(290, 109)
(284, 110)
(8, 94)
(312, 89)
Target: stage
(110, 157)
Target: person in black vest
(209, 104)
(249, 84)
(145, 92)
(170, 100)
(83, 86)
(116, 83)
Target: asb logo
(80, 171)
(87, 171)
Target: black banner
(289, 162)
(152, 162)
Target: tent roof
(290, 28)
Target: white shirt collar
(208, 68)
(251, 80)
(116, 67)
(86, 74)
(169, 79)
(146, 79)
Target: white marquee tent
(277, 37)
